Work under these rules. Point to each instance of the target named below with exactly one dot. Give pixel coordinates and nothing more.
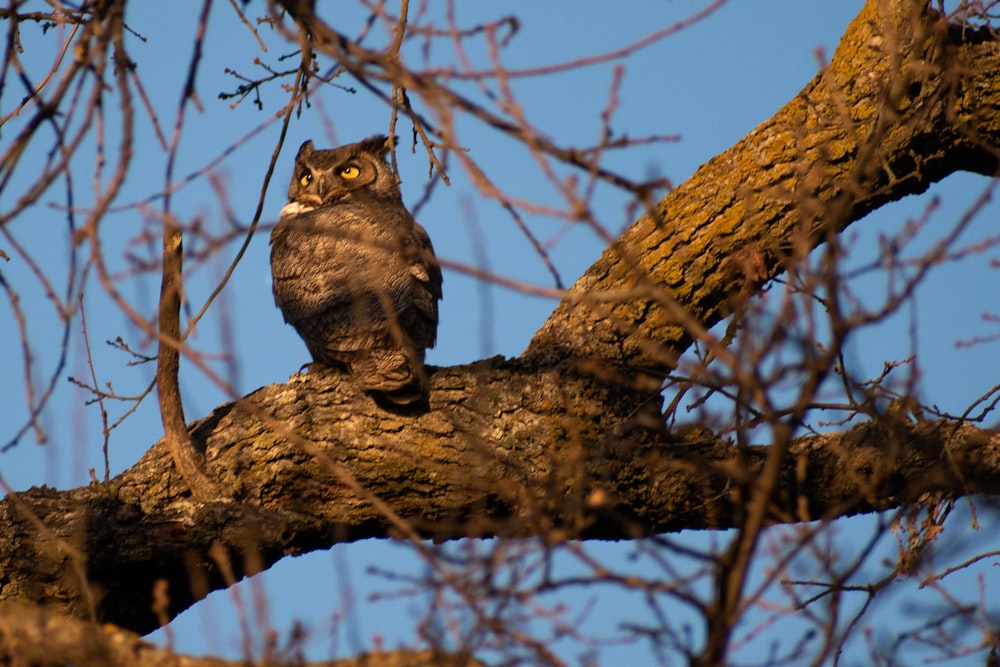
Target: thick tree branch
(507, 449)
(906, 101)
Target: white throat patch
(294, 208)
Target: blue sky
(710, 84)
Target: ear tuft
(378, 144)
(305, 149)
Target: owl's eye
(305, 179)
(350, 172)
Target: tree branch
(906, 101)
(507, 449)
(183, 452)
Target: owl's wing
(424, 273)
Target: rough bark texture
(546, 445)
(506, 449)
(906, 101)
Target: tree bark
(551, 444)
(506, 449)
(907, 100)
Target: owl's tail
(394, 373)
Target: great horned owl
(353, 272)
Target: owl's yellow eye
(350, 172)
(305, 179)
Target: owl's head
(325, 176)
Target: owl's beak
(328, 192)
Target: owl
(354, 273)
